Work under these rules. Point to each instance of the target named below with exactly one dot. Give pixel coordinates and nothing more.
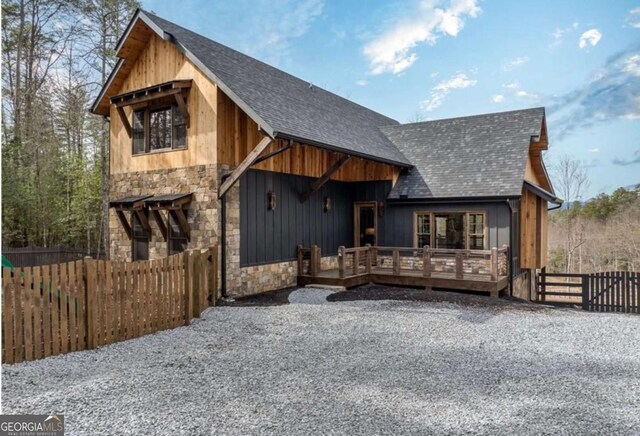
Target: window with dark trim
(453, 230)
(139, 239)
(158, 128)
(177, 238)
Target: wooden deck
(372, 269)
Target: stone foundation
(203, 218)
(263, 278)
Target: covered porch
(453, 269)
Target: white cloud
(591, 37)
(361, 82)
(527, 95)
(498, 98)
(632, 65)
(594, 150)
(517, 91)
(613, 94)
(514, 63)
(559, 34)
(392, 51)
(434, 75)
(274, 26)
(440, 91)
(634, 18)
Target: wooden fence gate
(74, 306)
(617, 291)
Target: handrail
(367, 256)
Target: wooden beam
(124, 222)
(180, 217)
(143, 220)
(244, 165)
(183, 108)
(163, 228)
(148, 97)
(125, 120)
(273, 153)
(325, 177)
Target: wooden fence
(36, 256)
(617, 291)
(55, 309)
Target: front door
(366, 223)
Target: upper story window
(158, 128)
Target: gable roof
(283, 105)
(476, 156)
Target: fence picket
(8, 315)
(46, 309)
(82, 304)
(82, 328)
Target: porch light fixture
(381, 209)
(271, 200)
(327, 204)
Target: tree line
(601, 234)
(56, 54)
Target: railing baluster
(341, 255)
(368, 258)
(426, 261)
(494, 264)
(396, 262)
(459, 269)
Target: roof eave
(544, 194)
(283, 135)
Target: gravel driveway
(374, 367)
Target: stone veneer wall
(203, 217)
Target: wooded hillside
(602, 234)
(55, 56)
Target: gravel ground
(360, 367)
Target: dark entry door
(366, 224)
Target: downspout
(223, 240)
(510, 246)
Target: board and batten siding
(399, 221)
(269, 236)
(160, 62)
(272, 236)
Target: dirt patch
(380, 292)
(278, 297)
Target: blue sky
(438, 59)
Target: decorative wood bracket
(325, 177)
(179, 216)
(183, 108)
(124, 222)
(244, 165)
(161, 225)
(125, 120)
(266, 156)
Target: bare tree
(571, 181)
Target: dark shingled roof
(288, 105)
(477, 156)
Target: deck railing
(410, 260)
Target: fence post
(585, 292)
(197, 286)
(368, 258)
(396, 262)
(494, 264)
(426, 261)
(212, 263)
(459, 268)
(300, 255)
(543, 284)
(341, 261)
(188, 298)
(89, 313)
